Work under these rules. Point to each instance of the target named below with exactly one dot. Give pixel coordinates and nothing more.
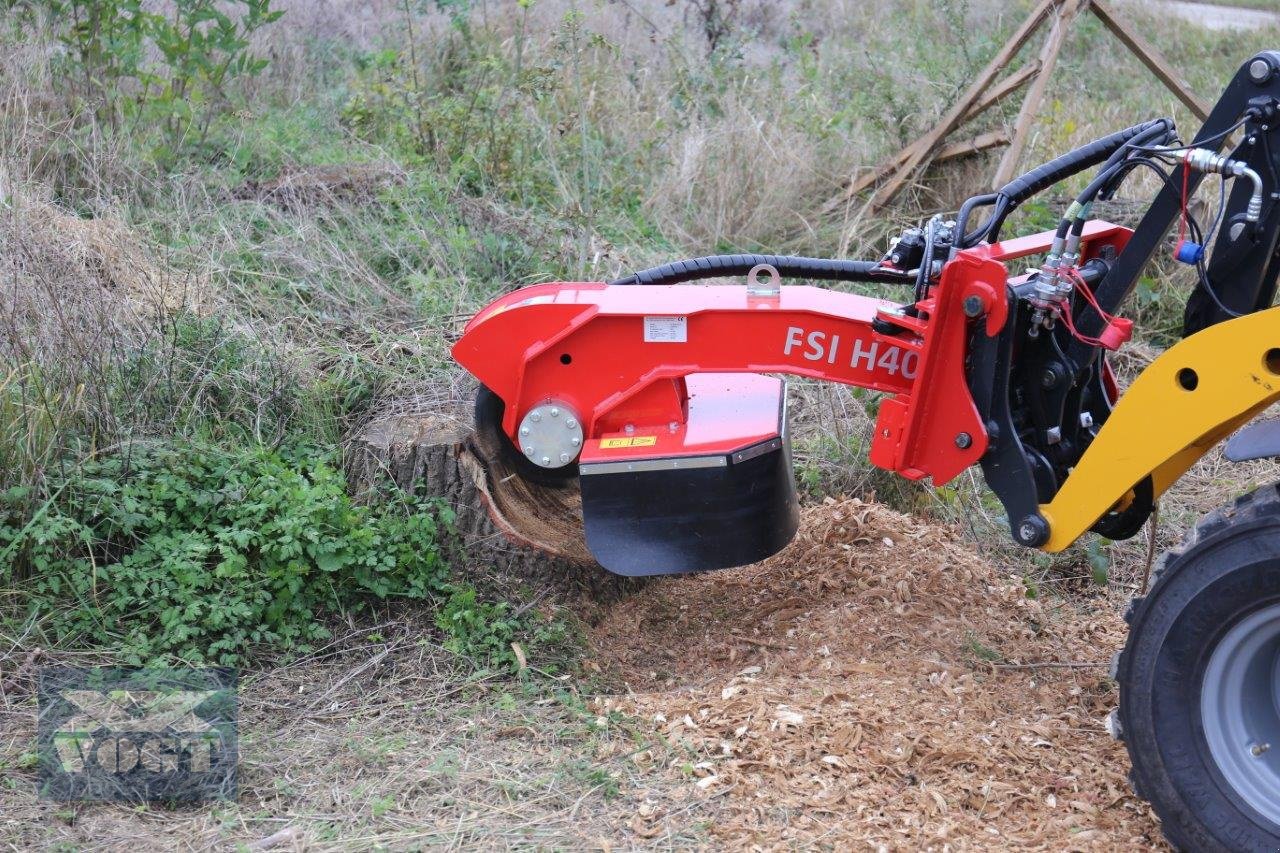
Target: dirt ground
(875, 686)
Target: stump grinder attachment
(658, 400)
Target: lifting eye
(1272, 360)
(1188, 379)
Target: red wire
(1065, 312)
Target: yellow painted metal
(1161, 427)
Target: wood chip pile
(876, 684)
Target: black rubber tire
(488, 413)
(1228, 568)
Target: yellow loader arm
(1195, 394)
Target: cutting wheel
(489, 413)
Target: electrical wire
(1249, 114)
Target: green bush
(207, 554)
(199, 46)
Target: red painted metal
(622, 356)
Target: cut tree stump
(508, 531)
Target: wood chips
(880, 685)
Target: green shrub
(207, 554)
(200, 47)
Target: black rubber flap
(668, 522)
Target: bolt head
(535, 417)
(546, 460)
(570, 423)
(629, 428)
(524, 430)
(565, 457)
(972, 306)
(1259, 70)
(528, 451)
(964, 440)
(575, 441)
(555, 413)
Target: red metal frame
(584, 344)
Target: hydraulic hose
(1060, 168)
(788, 266)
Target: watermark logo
(137, 734)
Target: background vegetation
(234, 233)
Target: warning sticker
(633, 441)
(666, 330)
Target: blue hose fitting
(1189, 252)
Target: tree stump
(510, 532)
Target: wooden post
(981, 142)
(1035, 94)
(902, 164)
(1151, 58)
(892, 174)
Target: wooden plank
(981, 142)
(908, 159)
(1151, 58)
(948, 122)
(1002, 90)
(1031, 103)
(994, 95)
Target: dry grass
(392, 744)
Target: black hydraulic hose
(1073, 162)
(970, 239)
(788, 266)
(1060, 168)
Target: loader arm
(1195, 394)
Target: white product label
(666, 330)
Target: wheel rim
(1240, 710)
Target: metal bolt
(528, 451)
(535, 417)
(575, 441)
(570, 423)
(1053, 435)
(524, 430)
(1048, 378)
(1027, 531)
(1086, 419)
(555, 413)
(964, 440)
(673, 426)
(565, 457)
(629, 429)
(546, 460)
(1260, 748)
(972, 306)
(1259, 70)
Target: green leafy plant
(206, 554)
(199, 47)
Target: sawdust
(877, 683)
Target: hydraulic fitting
(1208, 161)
